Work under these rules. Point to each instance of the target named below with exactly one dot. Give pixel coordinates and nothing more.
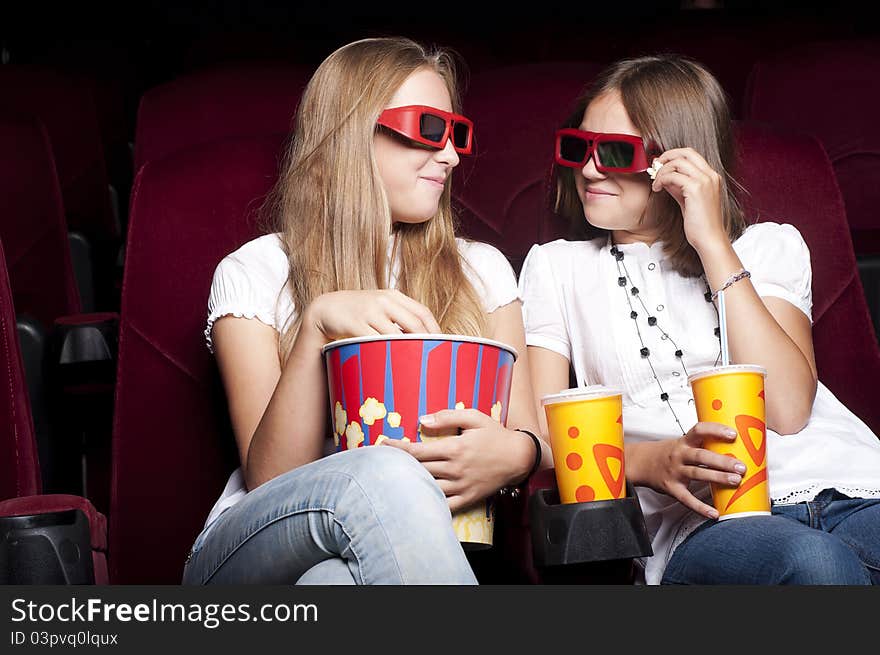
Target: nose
(590, 172)
(447, 155)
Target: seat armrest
(51, 539)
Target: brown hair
(329, 204)
(674, 102)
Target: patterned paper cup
(379, 387)
(586, 435)
(734, 395)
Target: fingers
(684, 167)
(708, 430)
(417, 314)
(722, 478)
(449, 421)
(685, 497)
(424, 452)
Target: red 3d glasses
(612, 153)
(430, 126)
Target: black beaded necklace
(623, 280)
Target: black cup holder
(579, 533)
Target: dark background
(132, 46)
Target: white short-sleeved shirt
(252, 283)
(574, 306)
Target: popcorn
(354, 434)
(341, 420)
(380, 439)
(655, 169)
(372, 410)
(459, 405)
(496, 411)
(394, 419)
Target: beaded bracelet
(513, 490)
(741, 274)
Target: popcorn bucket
(380, 385)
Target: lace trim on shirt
(263, 317)
(803, 495)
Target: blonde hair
(329, 204)
(674, 102)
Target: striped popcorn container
(380, 385)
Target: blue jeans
(366, 516)
(832, 540)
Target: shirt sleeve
(778, 259)
(543, 313)
(236, 290)
(490, 274)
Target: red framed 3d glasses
(612, 153)
(430, 126)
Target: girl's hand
(675, 462)
(483, 458)
(696, 187)
(343, 314)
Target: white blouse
(574, 306)
(251, 282)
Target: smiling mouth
(435, 180)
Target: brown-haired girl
(633, 307)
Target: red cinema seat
(57, 340)
(34, 527)
(32, 225)
(502, 193)
(829, 89)
(238, 100)
(173, 448)
(65, 104)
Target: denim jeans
(366, 516)
(833, 540)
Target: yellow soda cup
(734, 395)
(586, 436)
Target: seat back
(830, 90)
(32, 224)
(173, 448)
(65, 104)
(790, 179)
(19, 465)
(237, 100)
(503, 192)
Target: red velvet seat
(172, 446)
(246, 99)
(502, 193)
(45, 297)
(66, 105)
(32, 225)
(20, 481)
(830, 90)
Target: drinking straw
(722, 323)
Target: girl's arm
(770, 332)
